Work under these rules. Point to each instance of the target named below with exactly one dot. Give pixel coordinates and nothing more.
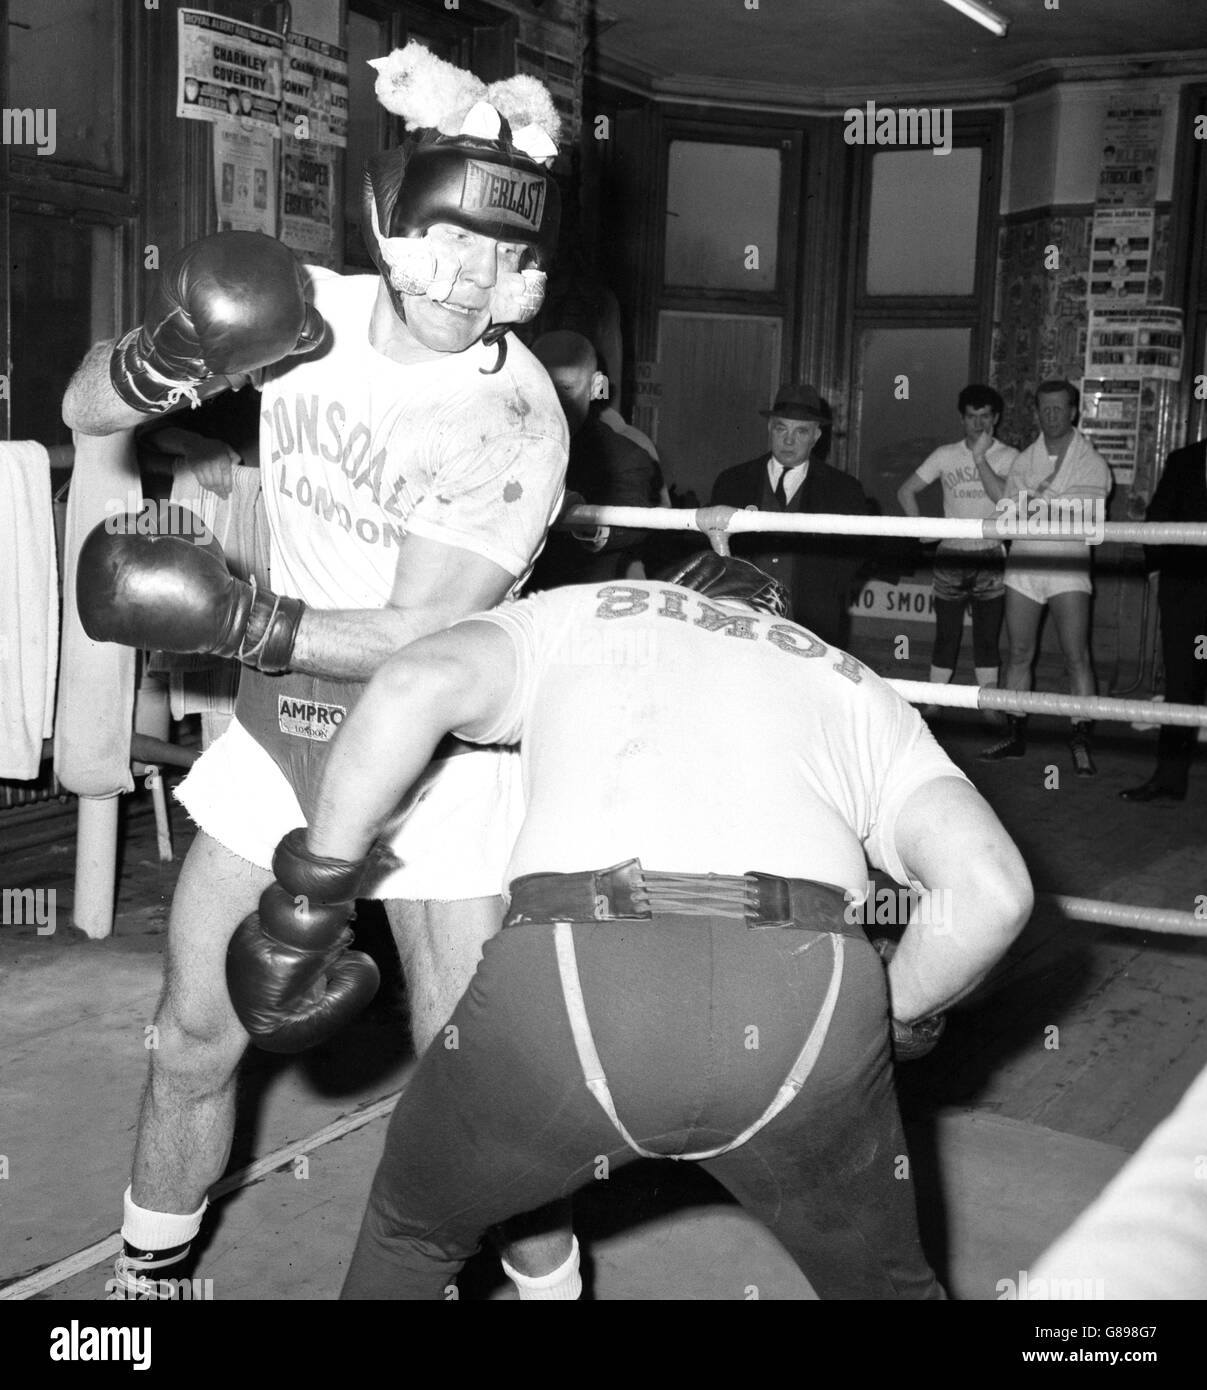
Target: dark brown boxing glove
(147, 587)
(224, 306)
(292, 980)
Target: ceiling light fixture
(982, 14)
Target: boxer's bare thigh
(440, 945)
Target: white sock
(564, 1283)
(987, 676)
(941, 675)
(158, 1230)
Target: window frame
(982, 129)
(74, 193)
(735, 129)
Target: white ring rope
(1042, 702)
(918, 527)
(1121, 915)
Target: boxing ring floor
(1010, 1136)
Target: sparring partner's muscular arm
(949, 839)
(434, 586)
(91, 405)
(450, 681)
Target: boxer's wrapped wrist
(315, 876)
(914, 1040)
(910, 1040)
(271, 631)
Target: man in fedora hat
(819, 572)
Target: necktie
(781, 493)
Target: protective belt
(626, 892)
(293, 717)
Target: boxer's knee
(193, 1048)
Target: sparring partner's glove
(292, 980)
(910, 1040)
(223, 307)
(164, 591)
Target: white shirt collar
(793, 477)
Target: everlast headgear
(479, 160)
(725, 576)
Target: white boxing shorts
(454, 833)
(1041, 573)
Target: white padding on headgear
(414, 266)
(517, 296)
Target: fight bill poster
(315, 130)
(1136, 342)
(1110, 419)
(308, 205)
(228, 71)
(1131, 154)
(245, 185)
(1121, 248)
(316, 91)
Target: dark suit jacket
(608, 470)
(1181, 495)
(819, 572)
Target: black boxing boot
(1014, 745)
(1079, 746)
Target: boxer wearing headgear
(410, 472)
(483, 168)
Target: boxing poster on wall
(316, 91)
(315, 128)
(307, 200)
(1124, 343)
(1121, 247)
(245, 187)
(1110, 419)
(228, 71)
(1131, 155)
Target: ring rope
(1123, 915)
(920, 528)
(1043, 702)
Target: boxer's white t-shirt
(357, 451)
(964, 494)
(701, 738)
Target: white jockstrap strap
(597, 1081)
